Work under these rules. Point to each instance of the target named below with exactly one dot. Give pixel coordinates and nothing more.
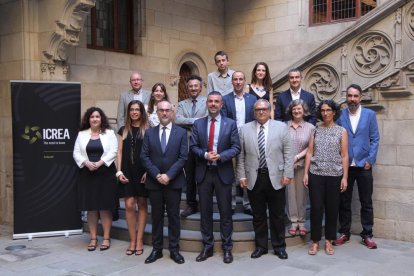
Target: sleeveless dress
(97, 190)
(131, 165)
(265, 96)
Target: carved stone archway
(68, 28)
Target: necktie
(193, 109)
(163, 139)
(211, 135)
(262, 145)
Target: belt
(262, 170)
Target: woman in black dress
(95, 152)
(261, 84)
(132, 174)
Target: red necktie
(211, 135)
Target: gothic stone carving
(409, 22)
(323, 81)
(372, 54)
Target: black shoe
(258, 253)
(188, 211)
(155, 255)
(228, 257)
(177, 257)
(248, 212)
(281, 253)
(204, 255)
(232, 211)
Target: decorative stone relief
(398, 38)
(67, 33)
(409, 22)
(372, 54)
(323, 81)
(388, 82)
(344, 66)
(173, 80)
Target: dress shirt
(295, 96)
(354, 119)
(167, 132)
(216, 134)
(216, 82)
(240, 110)
(265, 130)
(137, 95)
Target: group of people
(233, 138)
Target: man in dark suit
(164, 152)
(265, 167)
(361, 125)
(214, 142)
(239, 107)
(293, 93)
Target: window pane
(343, 9)
(104, 24)
(367, 5)
(122, 27)
(319, 11)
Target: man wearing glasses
(136, 93)
(265, 167)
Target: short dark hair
(295, 70)
(194, 77)
(221, 53)
(332, 104)
(214, 93)
(85, 119)
(355, 86)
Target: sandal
(329, 248)
(93, 243)
(292, 231)
(130, 252)
(313, 248)
(303, 231)
(139, 252)
(104, 246)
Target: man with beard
(362, 128)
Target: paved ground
(68, 256)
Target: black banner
(46, 119)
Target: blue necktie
(163, 139)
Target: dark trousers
(191, 191)
(324, 194)
(161, 200)
(364, 182)
(263, 197)
(210, 184)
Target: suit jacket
(171, 162)
(228, 146)
(363, 144)
(124, 99)
(109, 144)
(183, 116)
(229, 106)
(279, 153)
(285, 98)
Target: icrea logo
(32, 134)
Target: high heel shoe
(104, 246)
(329, 248)
(313, 248)
(92, 245)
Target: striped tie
(262, 146)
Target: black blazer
(171, 162)
(228, 146)
(285, 98)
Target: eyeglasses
(326, 110)
(258, 110)
(164, 110)
(132, 80)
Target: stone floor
(68, 256)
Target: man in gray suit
(188, 111)
(265, 167)
(136, 93)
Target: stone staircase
(191, 240)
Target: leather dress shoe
(204, 255)
(155, 255)
(177, 257)
(258, 253)
(281, 253)
(188, 211)
(228, 257)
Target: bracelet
(118, 173)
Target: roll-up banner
(46, 117)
